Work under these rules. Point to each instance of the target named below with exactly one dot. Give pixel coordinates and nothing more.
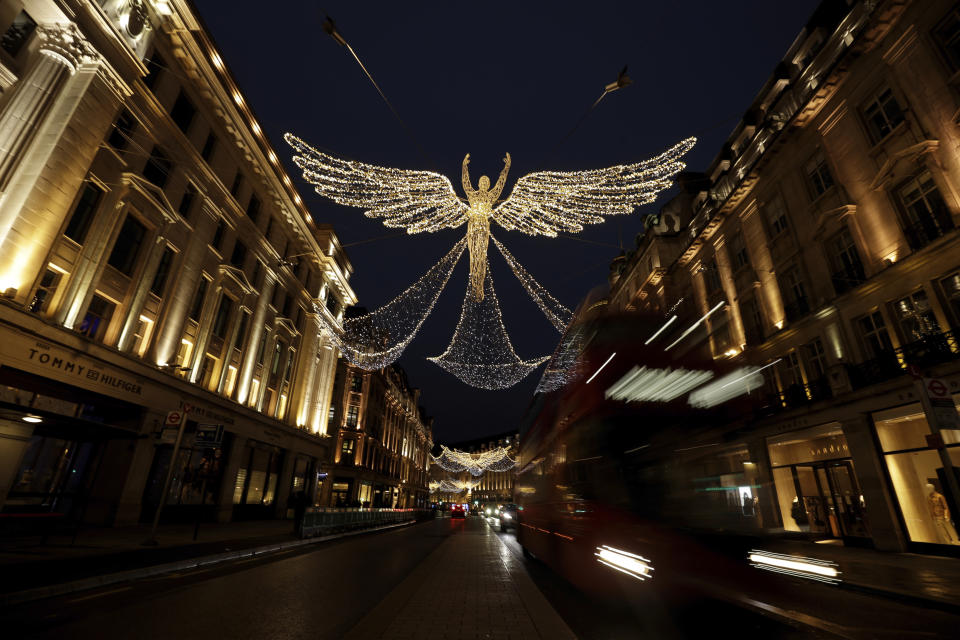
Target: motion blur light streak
(738, 383)
(695, 325)
(601, 368)
(661, 330)
(656, 385)
(625, 562)
(798, 566)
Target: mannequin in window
(940, 512)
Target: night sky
(487, 78)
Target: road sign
(209, 435)
(937, 388)
(174, 418)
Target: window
(163, 271)
(95, 321)
(206, 370)
(927, 216)
(287, 304)
(141, 335)
(158, 167)
(239, 255)
(346, 451)
(333, 305)
(947, 35)
(223, 315)
(253, 207)
(845, 262)
(278, 348)
(353, 415)
(45, 290)
(882, 115)
(951, 292)
(739, 250)
(122, 131)
(208, 147)
(266, 234)
(257, 271)
(356, 383)
(237, 183)
(818, 173)
(331, 415)
(217, 241)
(123, 258)
(18, 33)
(794, 293)
(776, 216)
(752, 321)
(186, 201)
(873, 332)
(261, 350)
(83, 212)
(711, 275)
(242, 329)
(916, 317)
(816, 359)
(155, 66)
(183, 112)
(197, 307)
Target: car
(508, 517)
(457, 511)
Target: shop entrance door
(832, 500)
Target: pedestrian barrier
(321, 521)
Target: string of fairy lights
(558, 315)
(375, 340)
(480, 353)
(456, 461)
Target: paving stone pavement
(470, 588)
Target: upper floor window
(155, 66)
(18, 33)
(927, 216)
(739, 250)
(794, 293)
(816, 359)
(183, 111)
(253, 207)
(844, 261)
(346, 451)
(45, 290)
(83, 212)
(158, 167)
(197, 307)
(122, 131)
(818, 173)
(222, 316)
(237, 183)
(916, 317)
(752, 321)
(287, 306)
(873, 333)
(185, 207)
(163, 272)
(123, 258)
(356, 383)
(97, 318)
(711, 275)
(208, 146)
(353, 415)
(776, 216)
(239, 255)
(333, 305)
(951, 292)
(793, 374)
(217, 241)
(947, 35)
(882, 114)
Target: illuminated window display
(917, 474)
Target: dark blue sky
(486, 78)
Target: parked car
(457, 511)
(508, 517)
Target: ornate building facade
(384, 438)
(157, 268)
(822, 243)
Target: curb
(39, 593)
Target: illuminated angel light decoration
(475, 463)
(454, 485)
(541, 203)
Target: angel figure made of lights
(541, 203)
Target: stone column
(130, 499)
(142, 287)
(253, 339)
(281, 495)
(229, 479)
(302, 385)
(14, 440)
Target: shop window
(260, 477)
(155, 66)
(873, 334)
(845, 262)
(45, 291)
(340, 492)
(917, 472)
(353, 415)
(916, 317)
(83, 212)
(163, 272)
(196, 308)
(122, 131)
(818, 175)
(158, 167)
(97, 318)
(776, 214)
(51, 475)
(18, 33)
(947, 36)
(926, 216)
(183, 111)
(951, 292)
(882, 114)
(209, 145)
(185, 208)
(218, 234)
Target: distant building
(824, 238)
(383, 440)
(156, 265)
(491, 486)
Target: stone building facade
(157, 268)
(822, 243)
(383, 440)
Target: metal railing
(928, 351)
(320, 521)
(924, 231)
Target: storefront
(917, 475)
(256, 484)
(817, 489)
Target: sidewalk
(30, 570)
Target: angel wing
(417, 200)
(546, 202)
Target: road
(324, 590)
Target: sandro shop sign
(68, 366)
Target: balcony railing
(924, 231)
(928, 351)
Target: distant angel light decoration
(541, 203)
